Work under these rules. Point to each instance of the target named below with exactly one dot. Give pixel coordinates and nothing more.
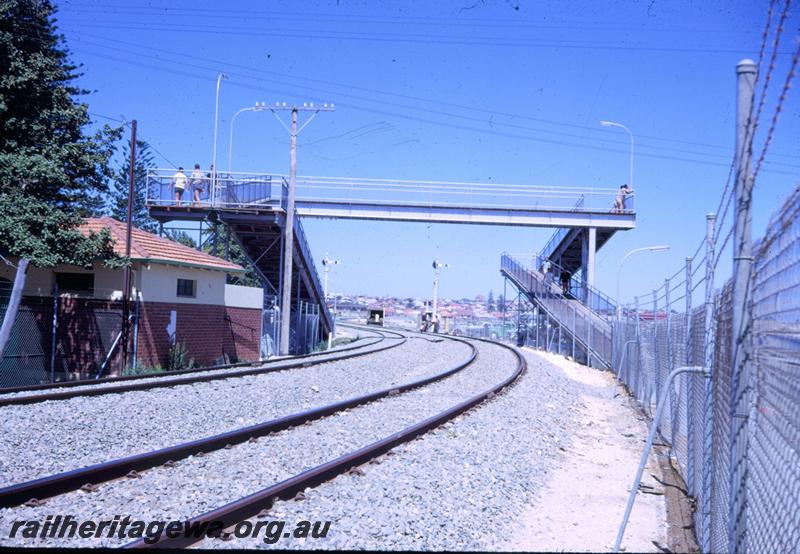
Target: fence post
(54, 335)
(639, 376)
(560, 352)
(574, 329)
(649, 444)
(740, 402)
(670, 363)
(690, 396)
(656, 353)
(670, 351)
(708, 404)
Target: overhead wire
(141, 137)
(439, 113)
(414, 98)
(385, 38)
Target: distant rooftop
(147, 247)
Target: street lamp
(661, 248)
(257, 108)
(220, 77)
(621, 126)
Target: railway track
(14, 396)
(46, 487)
(286, 488)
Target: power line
(359, 19)
(583, 128)
(428, 40)
(428, 120)
(427, 110)
(126, 123)
(409, 97)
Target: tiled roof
(148, 247)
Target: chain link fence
(665, 332)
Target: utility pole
(126, 285)
(288, 231)
(437, 265)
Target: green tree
(117, 206)
(44, 151)
(180, 236)
(490, 302)
(235, 253)
(38, 231)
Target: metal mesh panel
(25, 360)
(773, 484)
(659, 336)
(721, 442)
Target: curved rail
(60, 483)
(289, 363)
(124, 378)
(251, 505)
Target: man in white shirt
(179, 184)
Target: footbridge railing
(167, 187)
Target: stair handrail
(596, 338)
(560, 233)
(595, 300)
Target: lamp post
(257, 108)
(621, 126)
(220, 77)
(661, 248)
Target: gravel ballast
(56, 436)
(460, 487)
(199, 484)
(363, 341)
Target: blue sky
(481, 91)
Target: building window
(82, 283)
(187, 288)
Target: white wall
(159, 283)
(237, 296)
(38, 282)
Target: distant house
(179, 293)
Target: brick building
(181, 295)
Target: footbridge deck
(394, 200)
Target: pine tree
(44, 151)
(490, 302)
(181, 237)
(117, 205)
